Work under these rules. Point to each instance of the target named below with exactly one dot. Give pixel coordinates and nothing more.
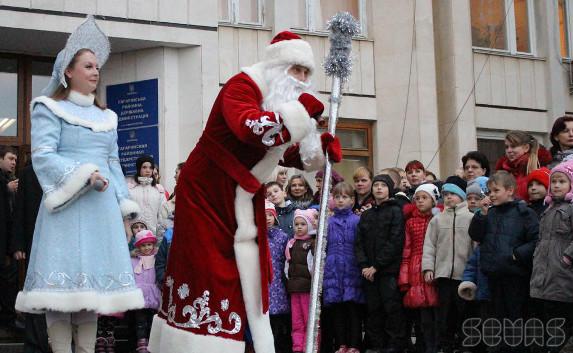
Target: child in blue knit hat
(476, 191)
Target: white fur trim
(114, 302)
(317, 160)
(72, 187)
(81, 99)
(168, 339)
(257, 73)
(294, 51)
(109, 124)
(296, 120)
(247, 257)
(316, 163)
(467, 290)
(247, 254)
(129, 207)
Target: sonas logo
(493, 332)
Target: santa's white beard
(285, 88)
(282, 87)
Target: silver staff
(338, 65)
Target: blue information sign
(135, 142)
(135, 103)
(136, 106)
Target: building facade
(431, 81)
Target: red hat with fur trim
(290, 49)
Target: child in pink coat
(144, 270)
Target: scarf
(518, 166)
(145, 180)
(291, 242)
(145, 263)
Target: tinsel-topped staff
(338, 65)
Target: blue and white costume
(80, 259)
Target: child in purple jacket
(342, 285)
(144, 271)
(279, 305)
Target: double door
(22, 78)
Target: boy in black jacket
(507, 233)
(379, 243)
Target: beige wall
(196, 12)
(401, 95)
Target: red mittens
(312, 105)
(332, 145)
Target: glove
(332, 145)
(312, 105)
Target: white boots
(85, 337)
(60, 333)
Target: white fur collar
(109, 123)
(81, 99)
(257, 73)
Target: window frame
(356, 125)
(511, 31)
(234, 15)
(569, 32)
(24, 92)
(311, 25)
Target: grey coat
(552, 279)
(447, 245)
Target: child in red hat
(537, 186)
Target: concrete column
(548, 46)
(454, 64)
(397, 68)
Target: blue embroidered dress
(79, 259)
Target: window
(21, 79)
(312, 15)
(356, 142)
(241, 11)
(565, 22)
(493, 149)
(503, 25)
(8, 97)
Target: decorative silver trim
(199, 312)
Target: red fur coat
(219, 262)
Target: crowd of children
(409, 254)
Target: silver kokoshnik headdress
(87, 36)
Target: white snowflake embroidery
(225, 304)
(199, 313)
(183, 291)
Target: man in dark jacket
(507, 233)
(8, 269)
(379, 243)
(28, 200)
